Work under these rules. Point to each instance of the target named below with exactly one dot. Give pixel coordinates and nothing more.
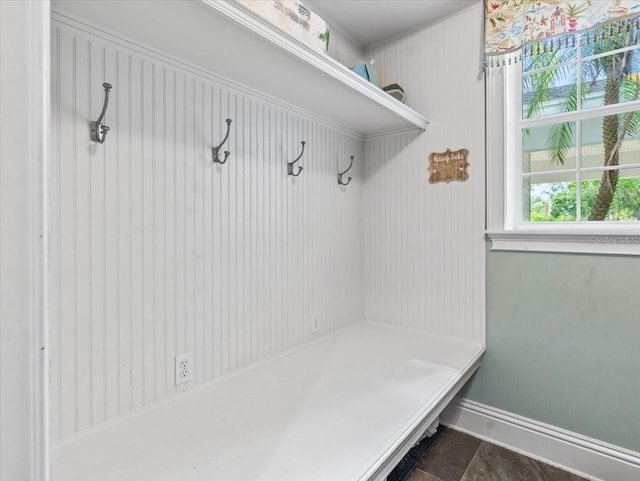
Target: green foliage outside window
(611, 74)
(559, 201)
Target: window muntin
(570, 144)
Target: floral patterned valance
(512, 24)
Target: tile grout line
(432, 475)
(472, 459)
(435, 478)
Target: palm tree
(614, 70)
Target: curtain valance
(514, 28)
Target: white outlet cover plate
(184, 368)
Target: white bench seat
(346, 407)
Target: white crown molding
(411, 31)
(581, 455)
(316, 6)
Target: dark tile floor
(459, 457)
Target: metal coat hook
(290, 164)
(215, 151)
(340, 174)
(99, 131)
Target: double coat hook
(340, 174)
(215, 151)
(99, 131)
(290, 164)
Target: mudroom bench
(345, 407)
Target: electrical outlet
(315, 323)
(184, 368)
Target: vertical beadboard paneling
(157, 251)
(342, 48)
(424, 248)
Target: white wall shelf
(346, 407)
(228, 40)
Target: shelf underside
(345, 407)
(224, 40)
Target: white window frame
(504, 192)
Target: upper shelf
(224, 38)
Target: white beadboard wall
(155, 251)
(424, 244)
(342, 48)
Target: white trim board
(570, 451)
(24, 159)
(615, 241)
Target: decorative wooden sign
(448, 166)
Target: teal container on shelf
(366, 71)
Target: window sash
(503, 117)
(583, 169)
(514, 212)
(586, 114)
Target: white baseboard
(572, 452)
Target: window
(570, 130)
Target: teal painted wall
(563, 342)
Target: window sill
(615, 241)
